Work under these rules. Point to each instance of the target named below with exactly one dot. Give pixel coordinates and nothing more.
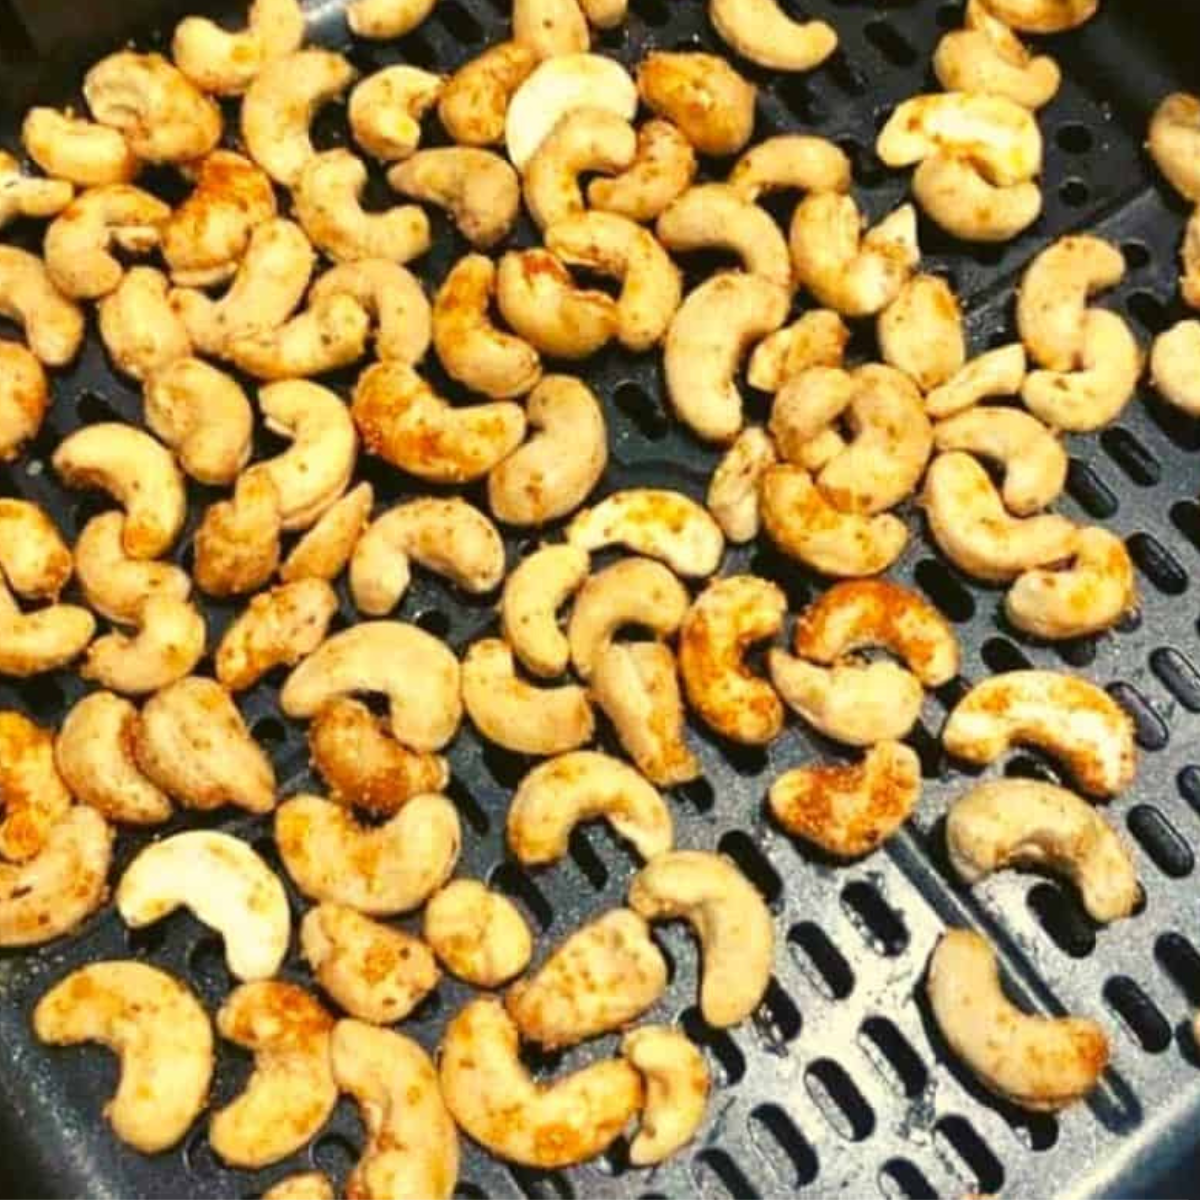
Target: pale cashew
(794, 160)
(1052, 299)
(34, 559)
(53, 325)
(24, 398)
(855, 273)
(1090, 596)
(115, 585)
(412, 1145)
(478, 935)
(998, 372)
(42, 640)
(805, 413)
(52, 893)
(761, 31)
(733, 489)
(193, 743)
(364, 766)
(325, 549)
(225, 63)
(290, 1093)
(169, 642)
(516, 715)
(581, 786)
(710, 103)
(1040, 1063)
(1173, 366)
(478, 188)
(662, 169)
(390, 294)
(605, 975)
(141, 331)
(970, 524)
(1042, 16)
(817, 339)
(386, 109)
(277, 628)
(237, 541)
(921, 332)
(75, 149)
(418, 674)
(677, 1083)
(33, 793)
(304, 1185)
(406, 423)
(551, 28)
(475, 99)
(730, 919)
(378, 870)
(280, 104)
(24, 195)
(1068, 717)
(159, 1031)
(374, 972)
(554, 472)
(538, 586)
(1027, 823)
(474, 351)
(1174, 142)
(955, 194)
(330, 333)
(446, 535)
(382, 20)
(543, 1125)
(94, 755)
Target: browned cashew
(32, 791)
(24, 195)
(475, 99)
(701, 94)
(237, 540)
(53, 325)
(24, 398)
(663, 168)
(478, 188)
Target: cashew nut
(478, 188)
(761, 31)
(42, 640)
(999, 372)
(237, 541)
(551, 28)
(1042, 16)
(34, 559)
(921, 332)
(386, 109)
(53, 325)
(1174, 142)
(382, 20)
(710, 103)
(817, 339)
(955, 194)
(392, 296)
(536, 589)
(478, 935)
(24, 398)
(142, 333)
(676, 1079)
(24, 195)
(169, 642)
(1173, 363)
(225, 63)
(325, 549)
(328, 334)
(794, 160)
(662, 169)
(304, 1185)
(34, 795)
(475, 99)
(75, 149)
(733, 489)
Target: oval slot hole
(1161, 841)
(892, 1056)
(1139, 1014)
(784, 1147)
(1063, 918)
(983, 1171)
(840, 1101)
(880, 924)
(821, 961)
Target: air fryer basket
(840, 1084)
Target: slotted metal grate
(840, 1083)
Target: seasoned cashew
(412, 1145)
(817, 339)
(921, 332)
(418, 674)
(676, 1080)
(237, 541)
(475, 99)
(733, 489)
(386, 109)
(374, 972)
(1040, 1063)
(381, 870)
(955, 194)
(290, 1093)
(405, 422)
(24, 195)
(392, 296)
(330, 333)
(142, 333)
(1042, 16)
(711, 104)
(382, 20)
(225, 63)
(1069, 717)
(855, 273)
(605, 975)
(538, 586)
(730, 919)
(998, 372)
(53, 325)
(445, 535)
(1027, 823)
(605, 14)
(325, 549)
(169, 642)
(793, 160)
(75, 149)
(478, 188)
(551, 28)
(34, 559)
(1174, 142)
(156, 1027)
(278, 627)
(544, 1125)
(761, 31)
(94, 752)
(193, 743)
(1173, 363)
(478, 935)
(805, 413)
(32, 791)
(516, 715)
(581, 786)
(42, 640)
(662, 169)
(280, 104)
(24, 398)
(1189, 282)
(364, 766)
(52, 893)
(304, 1185)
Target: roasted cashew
(237, 540)
(53, 325)
(1189, 254)
(816, 339)
(169, 642)
(761, 31)
(1174, 142)
(225, 63)
(304, 1185)
(34, 559)
(157, 1028)
(478, 188)
(551, 28)
(537, 587)
(24, 398)
(33, 793)
(325, 548)
(1042, 16)
(328, 334)
(805, 415)
(43, 639)
(998, 372)
(193, 743)
(516, 715)
(446, 535)
(386, 109)
(374, 972)
(478, 935)
(75, 149)
(475, 98)
(605, 975)
(580, 786)
(733, 489)
(676, 1080)
(710, 103)
(142, 333)
(663, 168)
(382, 20)
(378, 870)
(392, 296)
(955, 194)
(1040, 1063)
(793, 160)
(24, 195)
(543, 1125)
(921, 332)
(1173, 362)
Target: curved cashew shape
(412, 1145)
(534, 591)
(581, 786)
(445, 535)
(475, 98)
(225, 63)
(42, 640)
(478, 935)
(78, 150)
(733, 489)
(374, 972)
(805, 413)
(170, 641)
(958, 197)
(280, 104)
(406, 423)
(278, 627)
(1173, 366)
(382, 20)
(791, 160)
(1042, 16)
(290, 1093)
(304, 1185)
(816, 339)
(34, 559)
(730, 919)
(391, 295)
(34, 795)
(157, 1028)
(544, 1125)
(710, 103)
(1174, 141)
(193, 743)
(921, 332)
(381, 870)
(662, 169)
(386, 109)
(1027, 823)
(677, 1083)
(325, 549)
(138, 472)
(761, 31)
(516, 715)
(478, 188)
(327, 335)
(237, 540)
(94, 753)
(24, 398)
(605, 975)
(551, 28)
(53, 325)
(1040, 1063)
(24, 195)
(52, 893)
(999, 372)
(418, 674)
(141, 331)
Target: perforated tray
(840, 1084)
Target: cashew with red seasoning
(330, 333)
(325, 548)
(662, 169)
(24, 398)
(32, 790)
(710, 103)
(816, 339)
(237, 540)
(475, 98)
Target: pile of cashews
(244, 290)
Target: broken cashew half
(477, 934)
(733, 489)
(921, 332)
(677, 1083)
(538, 586)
